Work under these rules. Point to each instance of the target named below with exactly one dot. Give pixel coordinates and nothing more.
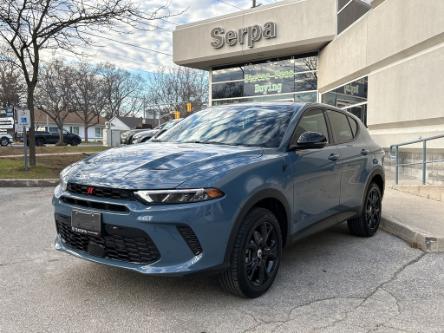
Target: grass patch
(5, 151)
(47, 167)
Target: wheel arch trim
(268, 193)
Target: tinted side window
(340, 126)
(353, 125)
(312, 121)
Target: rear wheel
(367, 223)
(255, 258)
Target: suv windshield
(233, 125)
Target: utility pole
(255, 5)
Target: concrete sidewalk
(418, 221)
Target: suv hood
(159, 165)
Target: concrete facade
(397, 44)
(302, 26)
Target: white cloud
(160, 39)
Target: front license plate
(86, 222)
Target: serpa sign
(249, 35)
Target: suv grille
(94, 204)
(101, 192)
(120, 243)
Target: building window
(351, 97)
(290, 79)
(99, 132)
(74, 130)
(349, 11)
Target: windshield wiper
(210, 143)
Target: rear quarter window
(340, 126)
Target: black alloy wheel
(255, 258)
(367, 223)
(261, 253)
(373, 208)
(4, 142)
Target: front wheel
(4, 142)
(367, 223)
(39, 142)
(255, 258)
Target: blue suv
(223, 191)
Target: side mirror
(310, 140)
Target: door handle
(333, 157)
(364, 152)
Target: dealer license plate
(86, 222)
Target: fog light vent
(190, 237)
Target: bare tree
(170, 89)
(311, 63)
(122, 90)
(89, 95)
(30, 26)
(11, 84)
(54, 93)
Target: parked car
(5, 139)
(148, 135)
(126, 137)
(225, 191)
(144, 136)
(43, 138)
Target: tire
(4, 142)
(254, 263)
(39, 142)
(74, 143)
(367, 223)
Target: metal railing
(394, 152)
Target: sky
(116, 49)
(146, 51)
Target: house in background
(73, 123)
(116, 125)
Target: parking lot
(330, 282)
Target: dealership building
(382, 60)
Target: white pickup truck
(5, 139)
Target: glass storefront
(289, 79)
(351, 97)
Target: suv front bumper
(168, 226)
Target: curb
(29, 182)
(415, 238)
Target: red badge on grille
(90, 190)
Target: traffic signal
(189, 107)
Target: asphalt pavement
(330, 282)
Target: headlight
(63, 182)
(179, 196)
(64, 176)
